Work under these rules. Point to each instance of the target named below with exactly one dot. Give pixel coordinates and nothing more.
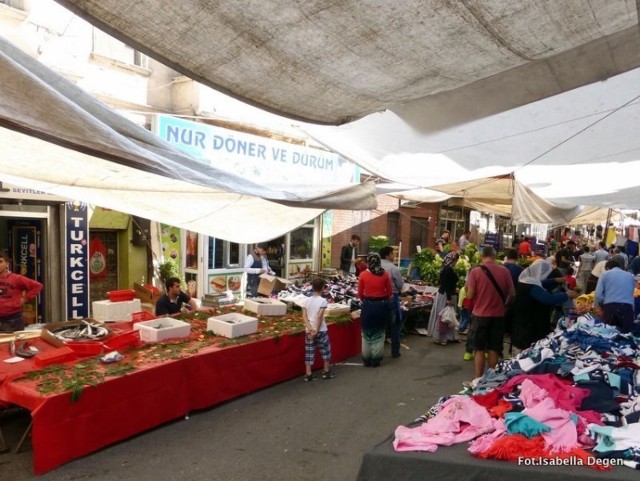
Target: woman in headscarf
(533, 304)
(446, 296)
(375, 291)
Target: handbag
(448, 316)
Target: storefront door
(22, 237)
(103, 274)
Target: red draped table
(153, 394)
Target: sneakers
(328, 375)
(325, 375)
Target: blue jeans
(465, 318)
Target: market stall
(155, 383)
(566, 408)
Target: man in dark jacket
(349, 255)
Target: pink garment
(460, 419)
(565, 396)
(484, 442)
(564, 434)
(530, 394)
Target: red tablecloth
(127, 405)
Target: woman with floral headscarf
(375, 291)
(446, 296)
(533, 303)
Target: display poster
(191, 279)
(221, 283)
(26, 260)
(327, 228)
(77, 260)
(191, 250)
(170, 238)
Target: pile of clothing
(339, 289)
(571, 398)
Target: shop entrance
(23, 237)
(103, 268)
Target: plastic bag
(448, 316)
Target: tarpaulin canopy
(59, 139)
(332, 62)
(505, 196)
(578, 148)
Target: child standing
(464, 305)
(316, 331)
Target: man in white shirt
(463, 241)
(256, 264)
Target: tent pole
(606, 227)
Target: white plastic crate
(266, 307)
(163, 328)
(232, 325)
(107, 311)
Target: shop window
(451, 219)
(223, 254)
(301, 243)
(112, 48)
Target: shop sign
(268, 162)
(8, 191)
(77, 260)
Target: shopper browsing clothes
(15, 291)
(316, 333)
(533, 304)
(375, 291)
(256, 264)
(490, 286)
(614, 295)
(446, 296)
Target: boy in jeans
(316, 331)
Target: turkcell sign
(77, 260)
(268, 162)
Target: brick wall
(374, 223)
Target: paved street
(292, 431)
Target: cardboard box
(147, 293)
(162, 328)
(335, 310)
(232, 325)
(107, 311)
(266, 307)
(269, 284)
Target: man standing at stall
(15, 291)
(386, 254)
(491, 288)
(256, 264)
(348, 256)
